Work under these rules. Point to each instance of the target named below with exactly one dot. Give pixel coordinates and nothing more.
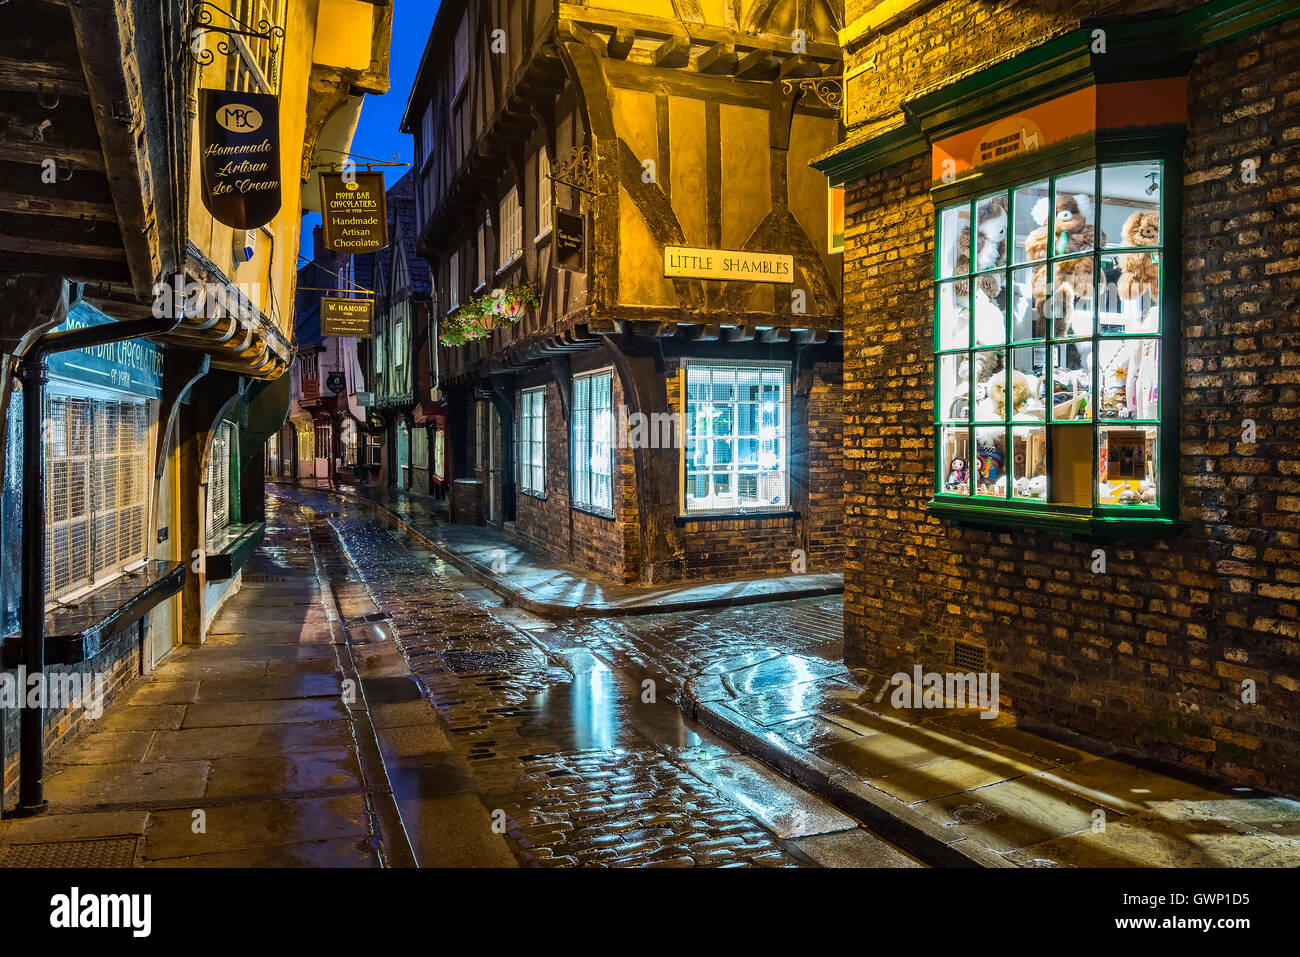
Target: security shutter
(219, 480)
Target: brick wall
(1152, 655)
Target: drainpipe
(33, 373)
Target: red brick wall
(1152, 655)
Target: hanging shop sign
(682, 262)
(336, 382)
(347, 318)
(133, 365)
(240, 138)
(570, 240)
(835, 219)
(1073, 117)
(354, 212)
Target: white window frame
(453, 276)
(426, 135)
(544, 194)
(399, 342)
(530, 441)
(482, 255)
(101, 470)
(460, 59)
(584, 417)
(510, 244)
(776, 444)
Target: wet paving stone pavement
(571, 732)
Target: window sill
(1082, 525)
(229, 549)
(510, 263)
(540, 496)
(596, 513)
(74, 635)
(543, 236)
(737, 516)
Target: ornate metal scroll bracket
(201, 24)
(828, 89)
(578, 171)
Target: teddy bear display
(1070, 233)
(990, 249)
(1035, 487)
(1024, 390)
(1140, 272)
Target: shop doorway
(403, 456)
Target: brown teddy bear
(1071, 233)
(1140, 272)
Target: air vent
(968, 657)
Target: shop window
(98, 480)
(737, 439)
(531, 453)
(439, 451)
(324, 440)
(220, 480)
(511, 225)
(375, 449)
(543, 192)
(420, 448)
(1049, 337)
(453, 283)
(592, 440)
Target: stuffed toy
(956, 475)
(1071, 233)
(1023, 387)
(1140, 272)
(990, 248)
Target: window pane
(954, 320)
(954, 388)
(954, 241)
(990, 462)
(1029, 463)
(1126, 467)
(1027, 377)
(1071, 305)
(955, 459)
(1029, 233)
(1130, 214)
(1075, 221)
(1072, 378)
(1130, 379)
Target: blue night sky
(377, 133)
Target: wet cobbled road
(572, 731)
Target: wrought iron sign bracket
(578, 171)
(200, 25)
(828, 89)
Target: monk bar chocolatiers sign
(241, 156)
(354, 212)
(681, 262)
(347, 318)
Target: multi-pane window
(219, 477)
(439, 450)
(543, 191)
(591, 428)
(453, 282)
(98, 480)
(737, 438)
(399, 342)
(426, 134)
(420, 448)
(511, 226)
(324, 440)
(1048, 343)
(532, 441)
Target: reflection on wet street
(569, 732)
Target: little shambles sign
(241, 156)
(681, 262)
(347, 318)
(570, 241)
(354, 212)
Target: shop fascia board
(1138, 49)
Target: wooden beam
(719, 60)
(23, 76)
(673, 53)
(800, 67)
(23, 149)
(758, 65)
(65, 208)
(57, 248)
(620, 45)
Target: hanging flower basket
(480, 317)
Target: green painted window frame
(1157, 144)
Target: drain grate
(106, 852)
(968, 657)
(972, 814)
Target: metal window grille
(98, 484)
(532, 441)
(219, 480)
(592, 441)
(737, 449)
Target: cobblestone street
(575, 744)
